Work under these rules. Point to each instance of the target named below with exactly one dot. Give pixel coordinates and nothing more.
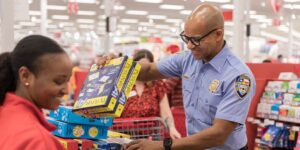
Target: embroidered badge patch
(213, 86)
(242, 85)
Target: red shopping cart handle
(137, 119)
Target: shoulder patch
(242, 85)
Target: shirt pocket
(202, 112)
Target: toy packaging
(68, 144)
(65, 114)
(124, 94)
(102, 86)
(68, 130)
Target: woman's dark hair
(143, 53)
(26, 53)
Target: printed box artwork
(102, 86)
(68, 130)
(129, 83)
(65, 114)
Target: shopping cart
(152, 128)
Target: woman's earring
(26, 84)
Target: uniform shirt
(23, 126)
(213, 90)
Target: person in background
(217, 87)
(148, 99)
(174, 84)
(280, 58)
(34, 76)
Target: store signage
(276, 5)
(72, 7)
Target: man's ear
(25, 76)
(220, 34)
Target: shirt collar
(12, 100)
(218, 61)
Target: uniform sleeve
(172, 65)
(235, 103)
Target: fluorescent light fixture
(129, 20)
(85, 20)
(136, 12)
(27, 23)
(157, 17)
(56, 7)
(52, 26)
(162, 26)
(228, 23)
(218, 1)
(265, 20)
(86, 1)
(149, 1)
(67, 23)
(88, 13)
(34, 13)
(119, 7)
(258, 16)
(102, 17)
(85, 26)
(152, 31)
(185, 12)
(227, 6)
(291, 1)
(61, 17)
(172, 7)
(17, 27)
(174, 20)
(145, 24)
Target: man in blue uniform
(217, 87)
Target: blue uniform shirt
(222, 88)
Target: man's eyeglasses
(195, 40)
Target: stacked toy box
(105, 90)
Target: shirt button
(193, 104)
(197, 87)
(190, 121)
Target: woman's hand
(174, 134)
(105, 59)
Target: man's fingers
(134, 145)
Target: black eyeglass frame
(195, 38)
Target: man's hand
(145, 145)
(105, 59)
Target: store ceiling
(142, 25)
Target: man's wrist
(167, 143)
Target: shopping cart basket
(140, 128)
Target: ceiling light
(88, 13)
(86, 1)
(185, 12)
(227, 6)
(157, 17)
(119, 7)
(102, 17)
(293, 16)
(129, 20)
(35, 13)
(162, 26)
(172, 7)
(27, 23)
(291, 1)
(68, 23)
(218, 1)
(85, 26)
(149, 1)
(228, 23)
(136, 12)
(56, 7)
(291, 6)
(263, 4)
(61, 17)
(258, 16)
(85, 21)
(145, 24)
(174, 20)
